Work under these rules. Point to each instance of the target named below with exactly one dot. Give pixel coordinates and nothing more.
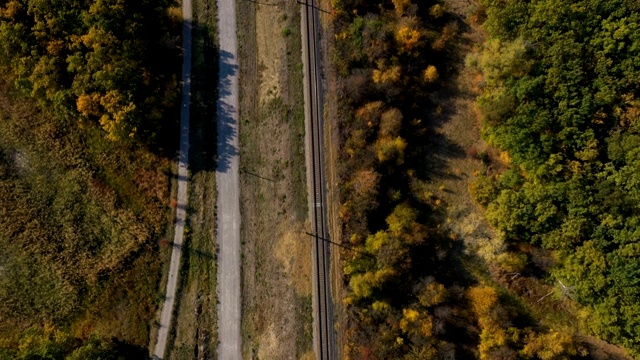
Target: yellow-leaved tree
(409, 35)
(363, 285)
(484, 303)
(553, 345)
(401, 6)
(432, 294)
(112, 110)
(388, 75)
(415, 322)
(430, 74)
(389, 148)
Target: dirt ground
(454, 136)
(276, 275)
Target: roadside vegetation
(84, 176)
(419, 287)
(560, 98)
(194, 333)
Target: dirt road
(228, 229)
(183, 161)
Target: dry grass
(601, 350)
(456, 148)
(276, 254)
(293, 250)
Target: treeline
(561, 88)
(53, 344)
(112, 63)
(408, 294)
(387, 61)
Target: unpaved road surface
(183, 161)
(228, 205)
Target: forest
(95, 61)
(84, 173)
(412, 292)
(561, 81)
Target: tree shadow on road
(226, 113)
(212, 122)
(198, 249)
(203, 131)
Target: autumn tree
(416, 323)
(365, 184)
(66, 53)
(409, 35)
(370, 113)
(96, 348)
(431, 293)
(390, 123)
(390, 149)
(401, 6)
(387, 75)
(484, 302)
(550, 346)
(430, 74)
(387, 65)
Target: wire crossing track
(324, 339)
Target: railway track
(324, 335)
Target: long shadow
(432, 157)
(226, 114)
(204, 93)
(188, 250)
(202, 141)
(159, 92)
(128, 351)
(212, 122)
(243, 170)
(438, 149)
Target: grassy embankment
(194, 334)
(276, 270)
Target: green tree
(559, 97)
(95, 349)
